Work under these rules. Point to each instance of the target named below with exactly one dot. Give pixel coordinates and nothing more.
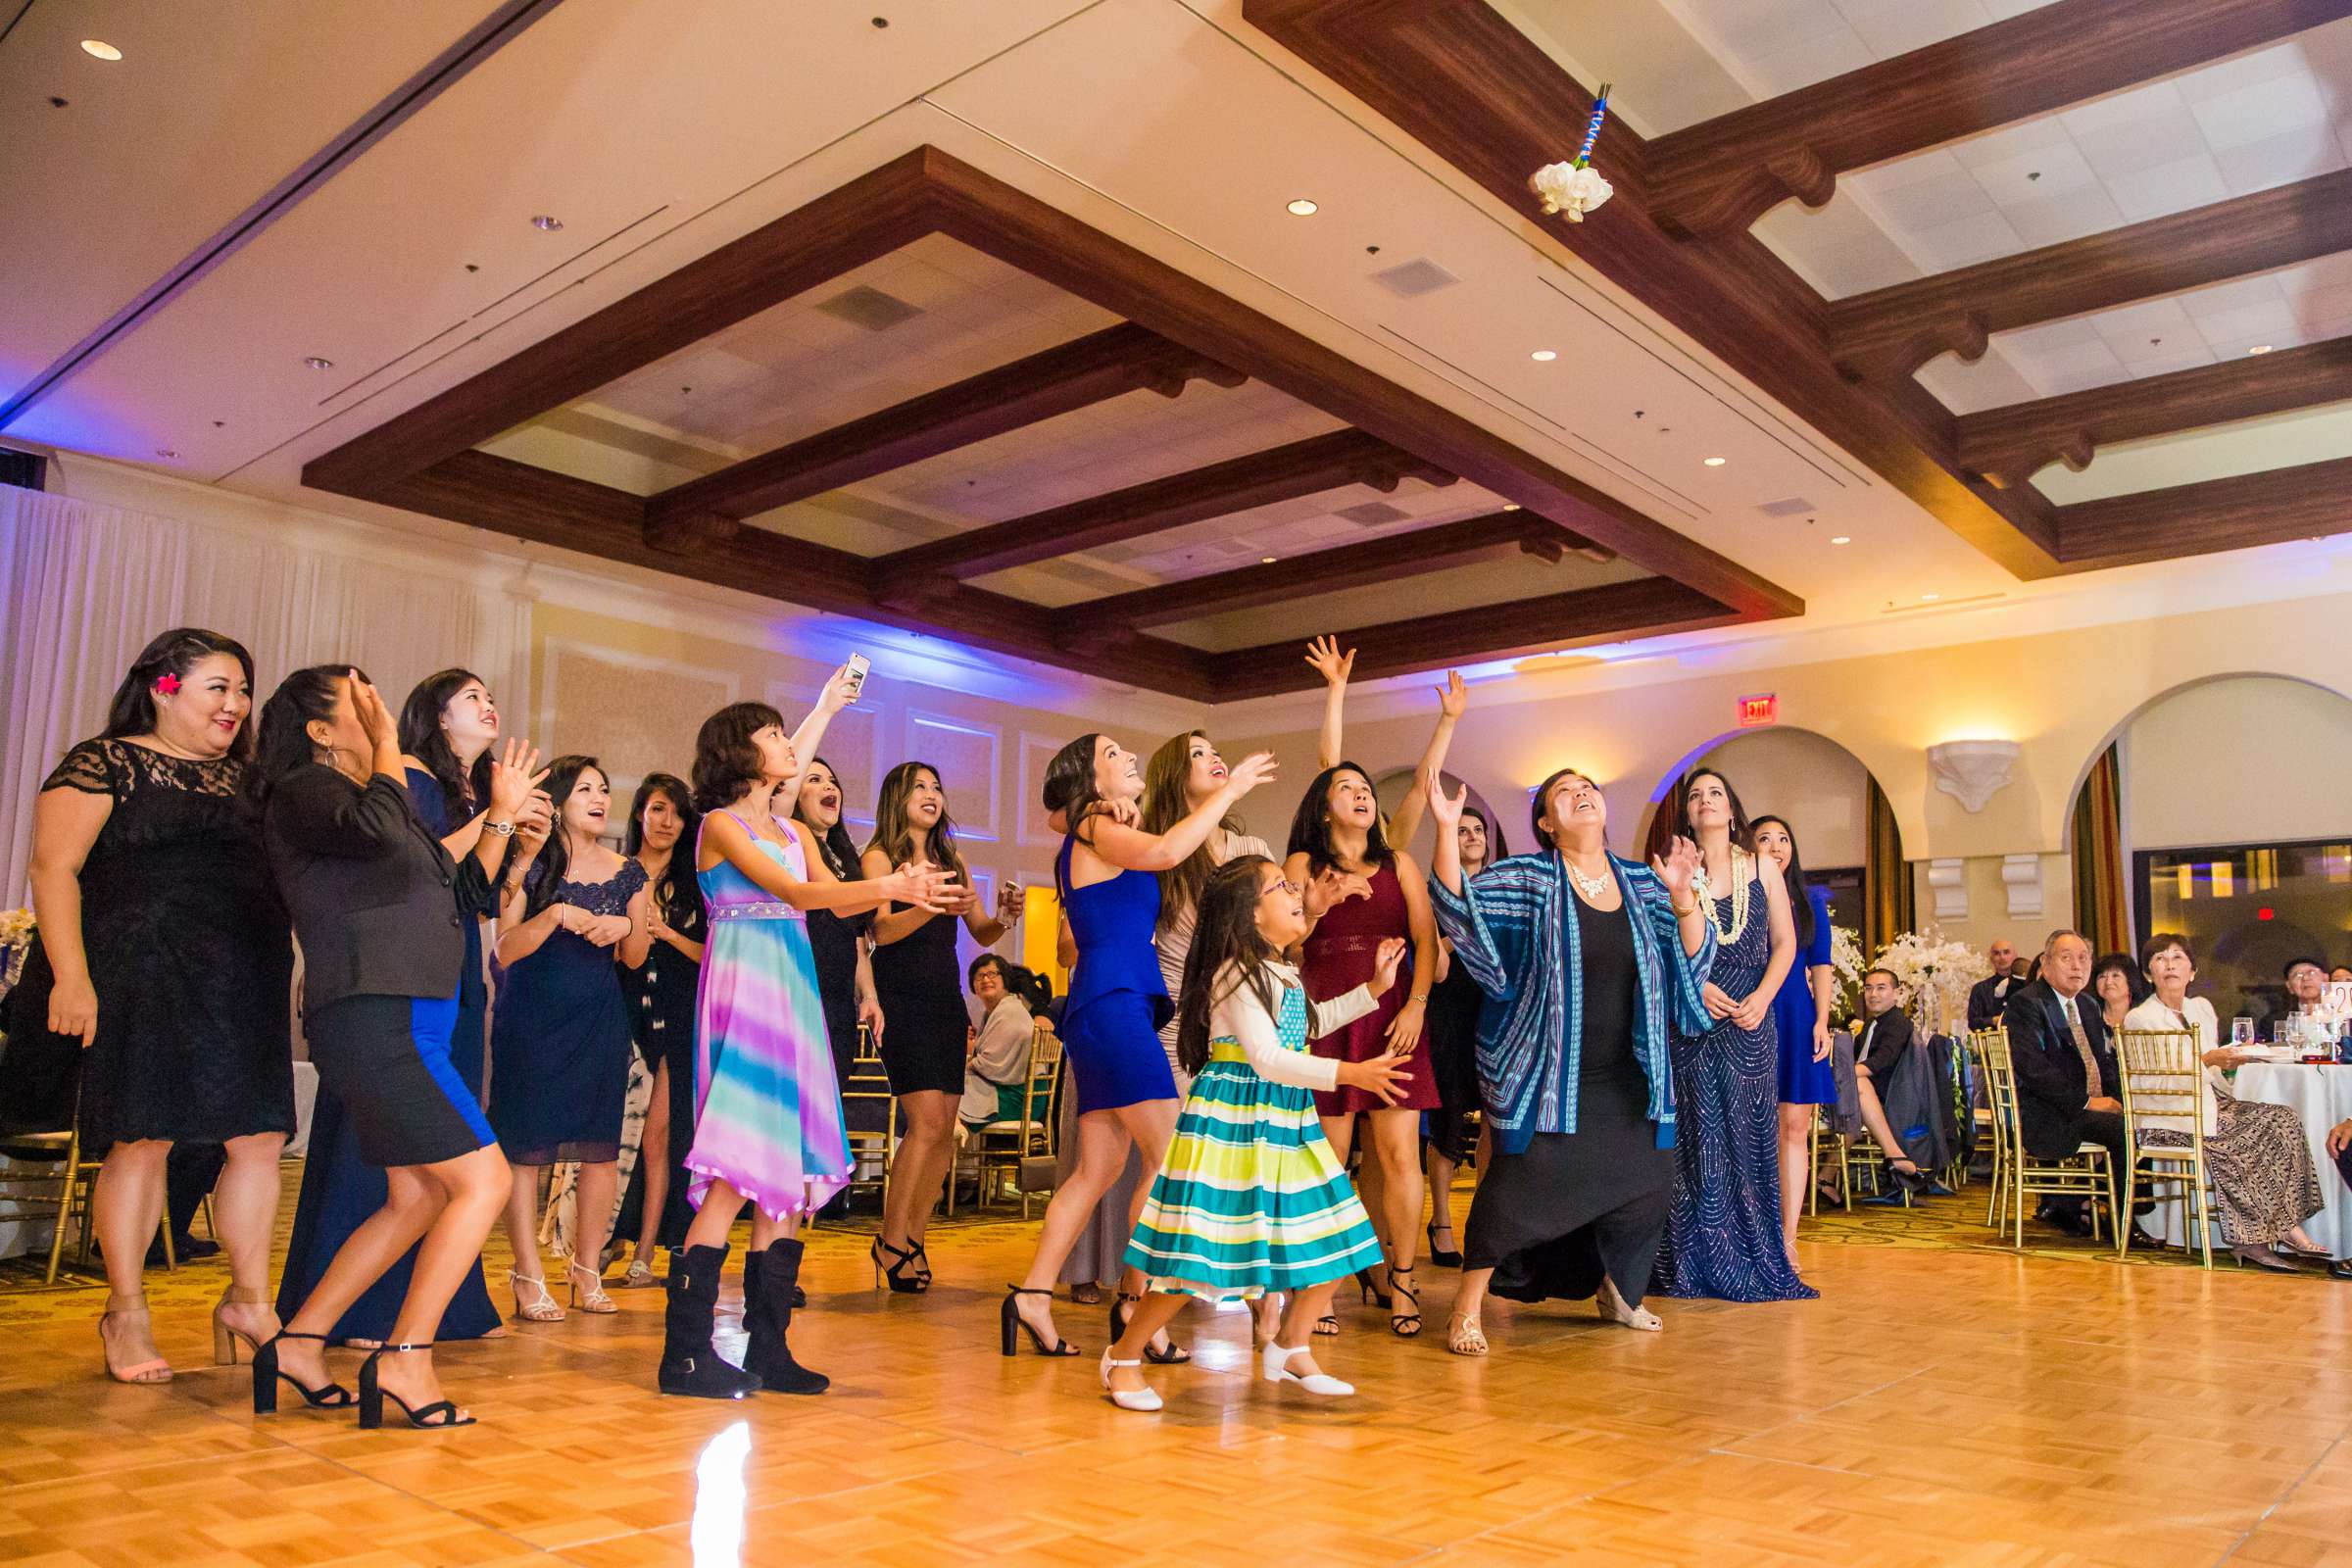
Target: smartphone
(858, 668)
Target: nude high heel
(226, 1337)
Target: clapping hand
(923, 886)
(1332, 887)
(515, 778)
(1248, 774)
(1677, 867)
(1334, 666)
(368, 709)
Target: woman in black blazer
(380, 910)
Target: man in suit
(2067, 1080)
(1988, 996)
(1886, 1039)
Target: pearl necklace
(1706, 893)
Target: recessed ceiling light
(1929, 599)
(549, 224)
(2260, 348)
(1543, 356)
(1302, 208)
(1715, 462)
(100, 49)
(317, 364)
(1841, 538)
(1511, 506)
(1267, 560)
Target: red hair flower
(166, 683)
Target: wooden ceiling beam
(1352, 566)
(2009, 444)
(1649, 606)
(2307, 501)
(1072, 375)
(1719, 176)
(1888, 334)
(1256, 479)
(547, 507)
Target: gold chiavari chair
(1989, 1122)
(865, 1097)
(75, 1178)
(2085, 1173)
(2163, 1072)
(1003, 1148)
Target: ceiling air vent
(1795, 506)
(1410, 279)
(1372, 514)
(869, 308)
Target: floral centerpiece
(16, 941)
(1846, 966)
(1934, 973)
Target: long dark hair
(466, 788)
(834, 843)
(677, 892)
(726, 762)
(1225, 936)
(282, 742)
(1310, 825)
(132, 710)
(546, 876)
(1800, 899)
(894, 839)
(1675, 818)
(1541, 802)
(1069, 786)
(1496, 849)
(1165, 776)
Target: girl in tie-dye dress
(767, 1125)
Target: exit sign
(1762, 709)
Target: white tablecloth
(2322, 1097)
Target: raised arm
(1131, 849)
(1335, 667)
(1454, 700)
(839, 692)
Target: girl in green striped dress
(1250, 1197)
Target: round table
(2322, 1097)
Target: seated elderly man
(2067, 1080)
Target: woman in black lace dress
(164, 951)
(661, 996)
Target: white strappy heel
(542, 1307)
(1276, 1364)
(1127, 1398)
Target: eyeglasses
(1281, 884)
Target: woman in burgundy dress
(1336, 832)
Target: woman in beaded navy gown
(559, 1042)
(1723, 1233)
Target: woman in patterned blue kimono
(1723, 1237)
(1583, 957)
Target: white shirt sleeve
(1239, 1016)
(1323, 1017)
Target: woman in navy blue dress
(1107, 877)
(1723, 1233)
(559, 1042)
(1800, 1017)
(446, 729)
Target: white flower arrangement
(16, 941)
(1935, 972)
(1571, 189)
(1846, 964)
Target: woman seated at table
(996, 1075)
(2264, 1182)
(2116, 981)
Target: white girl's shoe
(1127, 1398)
(1276, 1361)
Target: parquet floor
(1944, 1402)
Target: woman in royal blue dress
(1723, 1233)
(446, 729)
(1800, 1017)
(1107, 877)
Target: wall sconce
(1971, 772)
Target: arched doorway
(1846, 832)
(1394, 785)
(2232, 827)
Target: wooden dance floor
(1944, 1402)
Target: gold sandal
(1467, 1340)
(541, 1308)
(596, 1301)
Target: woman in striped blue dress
(1250, 1197)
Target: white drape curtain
(83, 587)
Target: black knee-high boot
(769, 1358)
(689, 1365)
